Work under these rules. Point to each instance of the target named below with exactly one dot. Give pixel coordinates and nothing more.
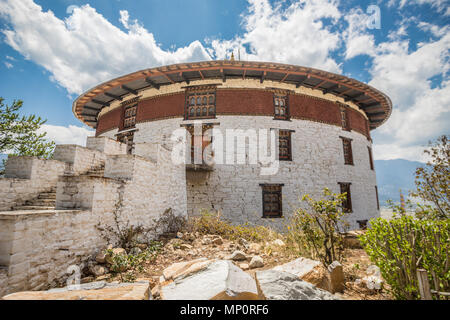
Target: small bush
(133, 262)
(404, 244)
(317, 232)
(210, 223)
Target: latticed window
(345, 188)
(348, 154)
(129, 120)
(200, 105)
(370, 157)
(285, 145)
(344, 119)
(281, 106)
(272, 204)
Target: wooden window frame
(130, 118)
(285, 135)
(273, 190)
(277, 98)
(378, 199)
(345, 123)
(372, 167)
(202, 95)
(345, 188)
(347, 150)
(127, 138)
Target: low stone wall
(106, 145)
(38, 247)
(86, 192)
(79, 159)
(26, 177)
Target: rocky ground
(203, 267)
(361, 280)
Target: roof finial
(232, 56)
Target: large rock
(336, 276)
(238, 256)
(374, 281)
(90, 291)
(185, 268)
(280, 285)
(220, 280)
(101, 257)
(308, 270)
(256, 262)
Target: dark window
(344, 119)
(378, 200)
(285, 145)
(127, 138)
(272, 204)
(200, 105)
(129, 119)
(281, 108)
(348, 154)
(370, 157)
(362, 224)
(345, 188)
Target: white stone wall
(40, 246)
(106, 145)
(37, 247)
(79, 159)
(25, 178)
(318, 162)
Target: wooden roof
(375, 104)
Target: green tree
(19, 134)
(318, 229)
(432, 180)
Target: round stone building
(320, 123)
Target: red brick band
(238, 102)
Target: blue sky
(51, 51)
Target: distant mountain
(393, 175)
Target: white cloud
(295, 34)
(434, 29)
(72, 48)
(8, 65)
(67, 135)
(357, 39)
(439, 5)
(421, 108)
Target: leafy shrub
(404, 244)
(133, 262)
(316, 232)
(211, 223)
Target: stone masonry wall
(37, 247)
(106, 145)
(40, 246)
(79, 159)
(318, 162)
(25, 178)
